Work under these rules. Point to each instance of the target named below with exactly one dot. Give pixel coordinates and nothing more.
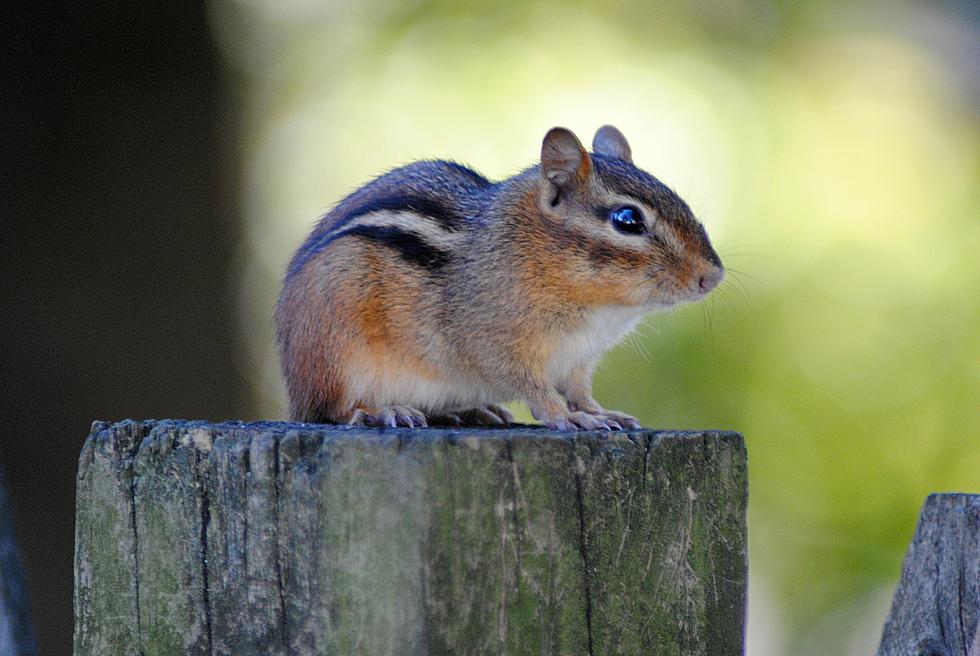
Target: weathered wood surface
(16, 632)
(937, 602)
(276, 538)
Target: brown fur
(387, 307)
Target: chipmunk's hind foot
(486, 415)
(390, 417)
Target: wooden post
(16, 632)
(937, 602)
(275, 538)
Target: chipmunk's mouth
(680, 297)
(697, 280)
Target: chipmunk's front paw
(392, 417)
(626, 421)
(580, 420)
(617, 420)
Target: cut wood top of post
(201, 434)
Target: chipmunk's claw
(614, 420)
(626, 421)
(389, 417)
(579, 420)
(487, 415)
(453, 420)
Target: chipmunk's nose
(711, 278)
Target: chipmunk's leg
(579, 397)
(390, 416)
(549, 408)
(519, 372)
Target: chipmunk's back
(432, 194)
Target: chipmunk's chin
(660, 305)
(664, 304)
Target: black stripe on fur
(410, 247)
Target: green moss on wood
(290, 539)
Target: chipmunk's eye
(627, 219)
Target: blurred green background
(830, 148)
(162, 160)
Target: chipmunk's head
(626, 234)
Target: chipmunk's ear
(565, 164)
(610, 141)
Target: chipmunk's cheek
(624, 290)
(637, 294)
(659, 288)
(683, 280)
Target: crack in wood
(205, 521)
(278, 560)
(583, 546)
(136, 553)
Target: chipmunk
(433, 295)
